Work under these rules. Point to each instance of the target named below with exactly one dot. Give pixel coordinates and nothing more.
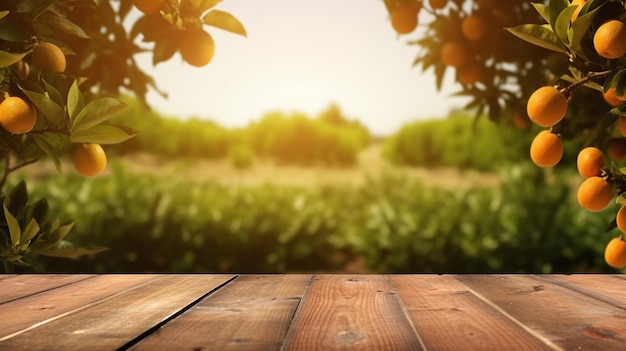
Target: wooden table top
(312, 312)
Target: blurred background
(312, 145)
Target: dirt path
(370, 164)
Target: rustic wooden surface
(312, 312)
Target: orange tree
(62, 65)
(567, 74)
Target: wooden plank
(28, 284)
(605, 287)
(23, 313)
(252, 312)
(571, 320)
(110, 324)
(448, 317)
(356, 312)
(5, 275)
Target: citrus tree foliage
(62, 65)
(562, 62)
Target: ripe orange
(197, 47)
(89, 159)
(609, 39)
(47, 56)
(590, 162)
(622, 125)
(546, 149)
(438, 4)
(594, 194)
(404, 18)
(17, 116)
(473, 27)
(580, 4)
(615, 253)
(616, 150)
(610, 96)
(149, 7)
(470, 73)
(453, 54)
(620, 219)
(546, 106)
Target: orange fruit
(546, 106)
(590, 162)
(546, 149)
(616, 149)
(594, 194)
(615, 253)
(89, 159)
(437, 4)
(610, 96)
(473, 27)
(620, 219)
(609, 40)
(22, 69)
(580, 4)
(404, 18)
(470, 73)
(149, 7)
(47, 56)
(453, 54)
(622, 125)
(197, 47)
(17, 116)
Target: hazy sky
(302, 55)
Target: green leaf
(62, 232)
(17, 198)
(62, 24)
(31, 230)
(54, 113)
(539, 35)
(198, 7)
(555, 7)
(561, 27)
(9, 58)
(165, 47)
(73, 251)
(14, 227)
(225, 21)
(75, 100)
(40, 211)
(96, 112)
(45, 146)
(102, 134)
(54, 94)
(542, 9)
(579, 29)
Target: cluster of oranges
(19, 116)
(547, 106)
(404, 20)
(196, 46)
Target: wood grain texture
(23, 313)
(569, 319)
(19, 286)
(604, 287)
(252, 312)
(111, 323)
(351, 312)
(449, 317)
